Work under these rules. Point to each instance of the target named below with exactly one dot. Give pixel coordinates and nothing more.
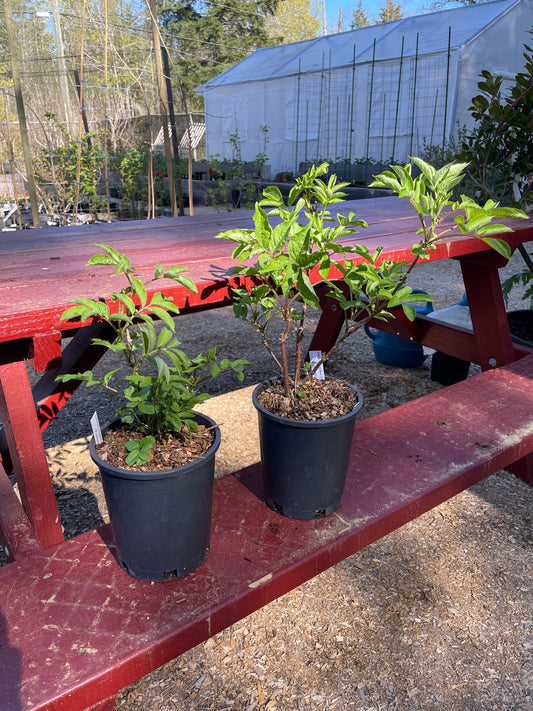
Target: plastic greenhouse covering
(381, 92)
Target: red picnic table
(61, 596)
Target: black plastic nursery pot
(161, 521)
(304, 464)
(447, 369)
(521, 326)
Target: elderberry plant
(163, 381)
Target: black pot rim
(304, 423)
(164, 473)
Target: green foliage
(291, 257)
(132, 168)
(431, 192)
(208, 39)
(522, 278)
(163, 381)
(234, 187)
(390, 11)
(295, 20)
(499, 147)
(57, 171)
(139, 450)
(295, 255)
(438, 155)
(360, 17)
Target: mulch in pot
(317, 399)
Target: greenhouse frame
(377, 93)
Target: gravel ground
(434, 617)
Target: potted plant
(303, 464)
(156, 459)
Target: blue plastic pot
(394, 350)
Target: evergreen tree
(208, 38)
(360, 17)
(390, 11)
(295, 20)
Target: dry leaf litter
(436, 616)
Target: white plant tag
(315, 357)
(97, 432)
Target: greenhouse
(381, 92)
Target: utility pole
(63, 83)
(17, 86)
(172, 117)
(163, 99)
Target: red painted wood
(18, 536)
(107, 705)
(80, 628)
(483, 289)
(27, 453)
(79, 355)
(45, 351)
(38, 282)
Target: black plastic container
(161, 521)
(447, 369)
(304, 464)
(521, 326)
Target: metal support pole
(350, 135)
(414, 98)
(397, 102)
(447, 87)
(298, 114)
(370, 104)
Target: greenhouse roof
(337, 50)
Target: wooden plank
(38, 282)
(27, 453)
(80, 628)
(18, 536)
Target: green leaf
(306, 290)
(127, 301)
(263, 231)
(139, 290)
(409, 311)
(163, 315)
(499, 245)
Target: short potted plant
(156, 459)
(304, 465)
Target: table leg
(79, 355)
(487, 307)
(330, 322)
(27, 452)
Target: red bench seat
(75, 628)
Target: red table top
(42, 270)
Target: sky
(410, 7)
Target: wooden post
(172, 116)
(26, 149)
(164, 106)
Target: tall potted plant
(156, 459)
(303, 464)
